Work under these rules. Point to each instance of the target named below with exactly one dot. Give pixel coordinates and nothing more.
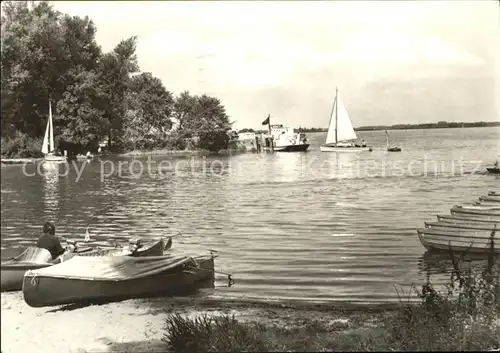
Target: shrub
(211, 334)
(462, 318)
(21, 146)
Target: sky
(392, 61)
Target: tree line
(438, 125)
(95, 96)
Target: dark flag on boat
(265, 122)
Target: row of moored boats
(87, 275)
(473, 228)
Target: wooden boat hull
(459, 219)
(473, 207)
(12, 276)
(462, 227)
(394, 149)
(493, 170)
(487, 203)
(327, 148)
(492, 214)
(12, 272)
(40, 291)
(473, 242)
(292, 148)
(490, 198)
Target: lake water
(312, 226)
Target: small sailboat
(389, 148)
(341, 134)
(48, 141)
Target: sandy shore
(136, 325)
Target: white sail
(45, 144)
(330, 136)
(51, 141)
(341, 122)
(345, 130)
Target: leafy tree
(209, 123)
(80, 108)
(149, 108)
(114, 70)
(49, 55)
(41, 49)
(184, 109)
(30, 35)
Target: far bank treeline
(438, 125)
(95, 96)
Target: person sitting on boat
(50, 241)
(363, 143)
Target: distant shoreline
(439, 125)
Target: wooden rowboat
(487, 203)
(104, 279)
(469, 241)
(492, 214)
(481, 207)
(461, 227)
(459, 219)
(12, 271)
(490, 198)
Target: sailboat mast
(336, 111)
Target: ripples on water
(316, 226)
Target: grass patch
(462, 317)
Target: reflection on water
(50, 173)
(316, 226)
(441, 263)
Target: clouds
(265, 55)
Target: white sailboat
(341, 134)
(48, 141)
(389, 148)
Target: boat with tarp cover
(112, 278)
(13, 270)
